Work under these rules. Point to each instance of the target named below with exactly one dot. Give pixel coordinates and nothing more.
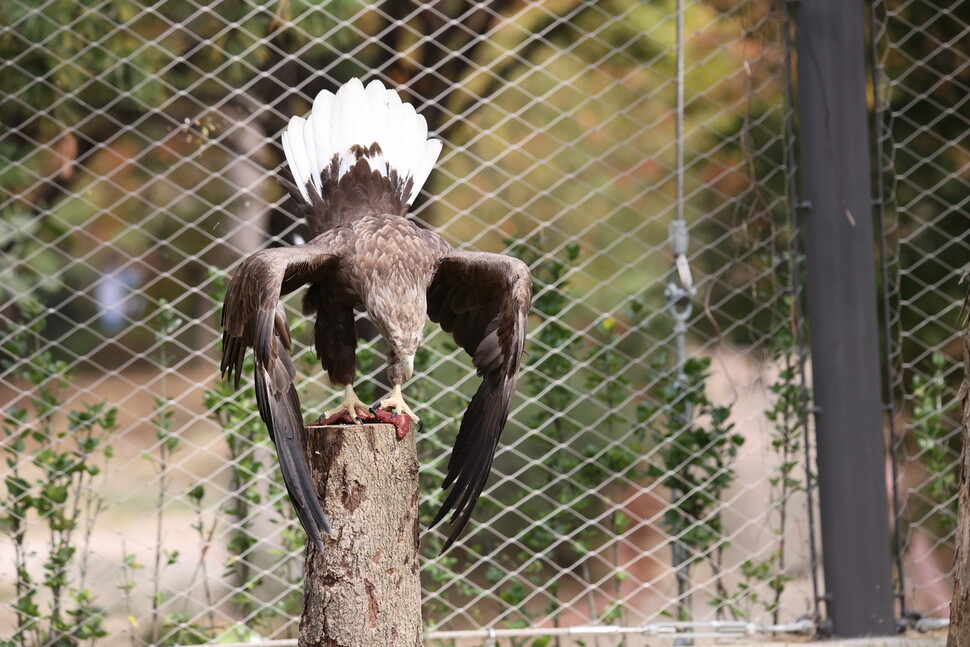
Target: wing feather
(483, 300)
(252, 316)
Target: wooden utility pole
(959, 635)
(364, 589)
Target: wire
(721, 630)
(678, 292)
(796, 287)
(889, 374)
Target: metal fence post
(842, 316)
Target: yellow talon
(396, 403)
(350, 405)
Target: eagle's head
(400, 321)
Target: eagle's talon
(396, 403)
(395, 411)
(350, 412)
(366, 416)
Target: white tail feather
(311, 153)
(360, 116)
(320, 116)
(296, 156)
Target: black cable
(796, 277)
(889, 373)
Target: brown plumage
(367, 256)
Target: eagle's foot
(395, 411)
(351, 411)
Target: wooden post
(364, 589)
(960, 605)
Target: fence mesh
(139, 161)
(923, 77)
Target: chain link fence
(653, 466)
(923, 76)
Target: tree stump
(959, 635)
(364, 589)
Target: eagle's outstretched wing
(482, 300)
(252, 315)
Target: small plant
(580, 445)
(206, 533)
(696, 447)
(585, 443)
(786, 414)
(236, 412)
(931, 433)
(50, 470)
(788, 400)
(553, 357)
(168, 323)
(552, 360)
(129, 566)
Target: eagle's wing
(252, 315)
(482, 300)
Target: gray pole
(833, 136)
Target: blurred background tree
(127, 124)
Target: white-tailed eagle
(356, 163)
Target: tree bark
(959, 635)
(364, 589)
